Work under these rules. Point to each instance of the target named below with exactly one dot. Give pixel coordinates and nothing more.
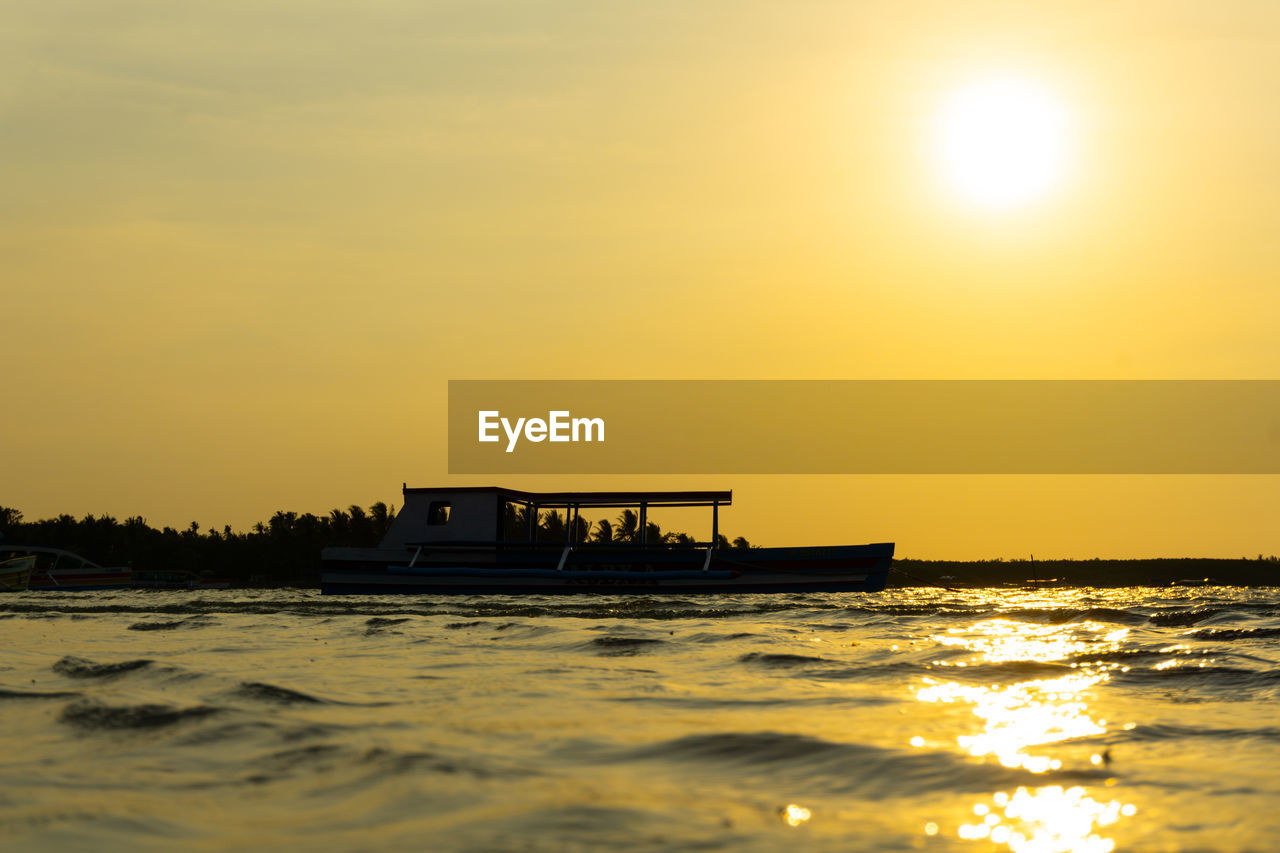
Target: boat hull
(849, 568)
(84, 579)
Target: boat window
(438, 513)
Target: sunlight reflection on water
(1004, 640)
(1047, 820)
(1020, 719)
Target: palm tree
(361, 526)
(9, 517)
(628, 529)
(517, 528)
(552, 527)
(652, 533)
(281, 524)
(741, 542)
(604, 532)
(339, 524)
(381, 515)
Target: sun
(1001, 142)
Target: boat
(15, 573)
(485, 540)
(59, 569)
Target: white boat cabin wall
(433, 515)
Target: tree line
(285, 549)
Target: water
(910, 719)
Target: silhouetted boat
(1036, 583)
(59, 569)
(15, 573)
(460, 541)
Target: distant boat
(15, 573)
(458, 541)
(59, 569)
(1037, 583)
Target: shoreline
(1097, 572)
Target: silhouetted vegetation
(551, 526)
(285, 549)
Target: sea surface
(917, 719)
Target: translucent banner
(864, 427)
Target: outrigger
(484, 540)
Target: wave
(1138, 657)
(906, 604)
(314, 758)
(1223, 682)
(261, 692)
(1163, 732)
(237, 728)
(6, 693)
(383, 621)
(394, 762)
(716, 637)
(91, 714)
(1234, 633)
(846, 768)
(1003, 671)
(827, 669)
(1183, 618)
(353, 766)
(380, 624)
(1065, 615)
(624, 646)
(74, 667)
(707, 702)
(197, 621)
(782, 660)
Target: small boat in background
(15, 573)
(485, 540)
(59, 569)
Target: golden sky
(244, 245)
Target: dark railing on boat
(572, 502)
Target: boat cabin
(481, 515)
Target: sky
(243, 246)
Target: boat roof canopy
(601, 499)
(7, 548)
